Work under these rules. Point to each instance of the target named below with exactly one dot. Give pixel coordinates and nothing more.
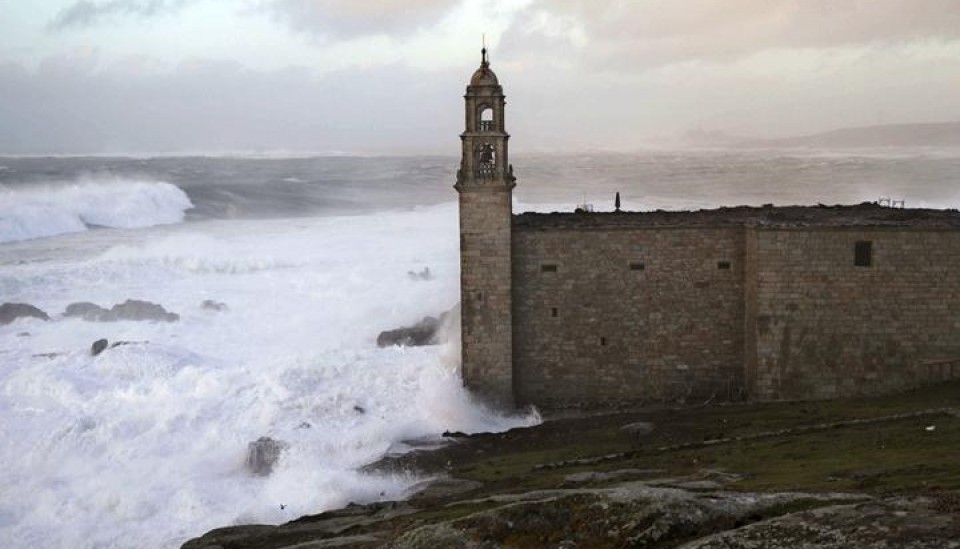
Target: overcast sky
(385, 76)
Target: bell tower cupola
(485, 183)
(484, 159)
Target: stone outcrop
(425, 274)
(131, 309)
(12, 311)
(98, 346)
(631, 514)
(84, 310)
(211, 305)
(429, 331)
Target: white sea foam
(144, 445)
(37, 211)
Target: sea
(307, 259)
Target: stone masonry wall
(485, 288)
(590, 327)
(827, 328)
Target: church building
(594, 309)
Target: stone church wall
(627, 314)
(826, 328)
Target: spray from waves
(38, 211)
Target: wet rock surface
(131, 309)
(211, 305)
(429, 331)
(12, 311)
(102, 345)
(98, 346)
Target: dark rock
(98, 347)
(12, 311)
(263, 454)
(85, 310)
(421, 333)
(429, 331)
(135, 309)
(359, 409)
(211, 305)
(425, 274)
(131, 309)
(454, 434)
(23, 334)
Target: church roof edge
(865, 215)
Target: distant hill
(942, 134)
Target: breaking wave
(57, 208)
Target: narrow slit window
(603, 342)
(637, 266)
(863, 253)
(554, 312)
(548, 268)
(479, 296)
(723, 265)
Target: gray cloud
(215, 106)
(72, 106)
(615, 75)
(349, 18)
(657, 32)
(84, 13)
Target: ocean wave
(38, 211)
(195, 253)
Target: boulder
(263, 454)
(135, 309)
(98, 346)
(429, 331)
(85, 310)
(12, 311)
(131, 309)
(421, 333)
(425, 274)
(102, 345)
(211, 305)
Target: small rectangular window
(863, 253)
(548, 268)
(723, 265)
(603, 342)
(479, 296)
(637, 266)
(554, 312)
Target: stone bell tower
(485, 182)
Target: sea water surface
(144, 444)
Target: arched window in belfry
(486, 119)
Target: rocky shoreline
(869, 472)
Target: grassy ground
(907, 455)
